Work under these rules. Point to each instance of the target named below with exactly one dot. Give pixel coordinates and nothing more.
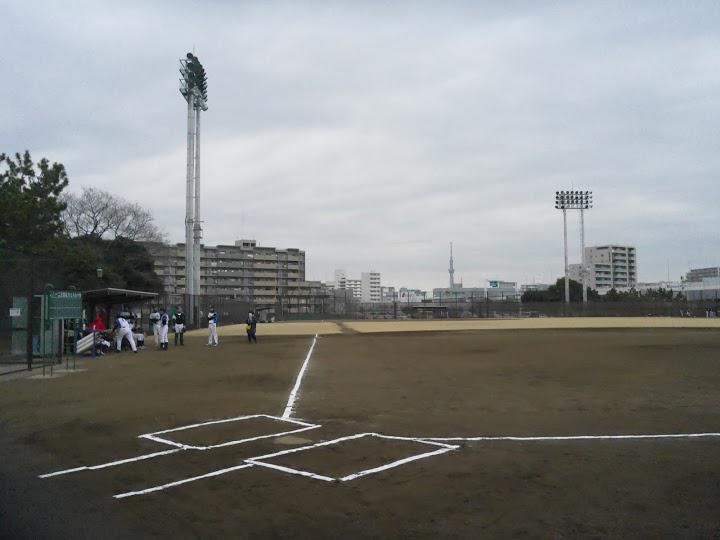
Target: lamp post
(193, 87)
(574, 200)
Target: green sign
(64, 305)
(493, 284)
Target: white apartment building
(609, 266)
(370, 287)
(354, 286)
(365, 289)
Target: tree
(126, 264)
(99, 214)
(30, 203)
(556, 293)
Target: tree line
(72, 234)
(556, 293)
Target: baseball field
(559, 428)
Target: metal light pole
(574, 200)
(583, 269)
(567, 281)
(193, 87)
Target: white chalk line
(260, 460)
(154, 436)
(111, 463)
(293, 393)
(224, 420)
(180, 482)
(578, 437)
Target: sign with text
(64, 305)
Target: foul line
(180, 482)
(293, 394)
(111, 463)
(578, 437)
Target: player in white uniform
(155, 322)
(212, 328)
(164, 326)
(123, 331)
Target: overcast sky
(372, 134)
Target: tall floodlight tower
(574, 200)
(451, 270)
(193, 87)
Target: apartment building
(608, 266)
(370, 290)
(365, 289)
(243, 270)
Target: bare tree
(103, 215)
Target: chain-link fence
(22, 277)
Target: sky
(372, 134)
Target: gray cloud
(371, 135)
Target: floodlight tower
(574, 200)
(193, 87)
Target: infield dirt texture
(415, 384)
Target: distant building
(387, 294)
(534, 287)
(707, 288)
(365, 289)
(256, 274)
(370, 287)
(411, 295)
(608, 267)
(697, 274)
(355, 287)
(496, 290)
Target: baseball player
(179, 322)
(164, 324)
(123, 330)
(212, 328)
(155, 323)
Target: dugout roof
(112, 296)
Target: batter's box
(219, 433)
(371, 452)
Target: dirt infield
(553, 382)
(309, 328)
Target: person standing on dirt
(155, 324)
(164, 327)
(179, 323)
(212, 328)
(251, 327)
(123, 331)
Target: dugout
(112, 302)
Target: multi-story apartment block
(608, 267)
(244, 270)
(355, 287)
(365, 289)
(370, 287)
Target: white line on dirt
(293, 394)
(578, 437)
(180, 482)
(111, 463)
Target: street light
(574, 200)
(193, 87)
